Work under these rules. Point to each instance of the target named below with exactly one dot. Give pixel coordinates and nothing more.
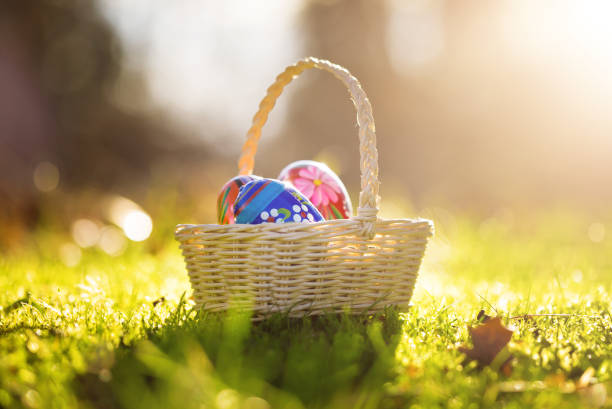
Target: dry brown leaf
(489, 339)
(482, 316)
(506, 367)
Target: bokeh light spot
(46, 177)
(31, 399)
(255, 402)
(135, 222)
(137, 225)
(227, 398)
(112, 241)
(85, 232)
(118, 207)
(596, 232)
(70, 254)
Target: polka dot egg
(299, 214)
(271, 201)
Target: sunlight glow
(415, 33)
(578, 31)
(211, 43)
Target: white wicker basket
(359, 265)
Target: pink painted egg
(227, 197)
(321, 186)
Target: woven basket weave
(359, 265)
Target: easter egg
(227, 198)
(321, 186)
(272, 201)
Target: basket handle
(368, 197)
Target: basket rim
(284, 228)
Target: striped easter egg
(227, 198)
(272, 201)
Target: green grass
(100, 335)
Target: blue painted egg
(272, 201)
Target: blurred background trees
(59, 61)
(479, 106)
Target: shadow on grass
(194, 360)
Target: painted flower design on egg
(319, 184)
